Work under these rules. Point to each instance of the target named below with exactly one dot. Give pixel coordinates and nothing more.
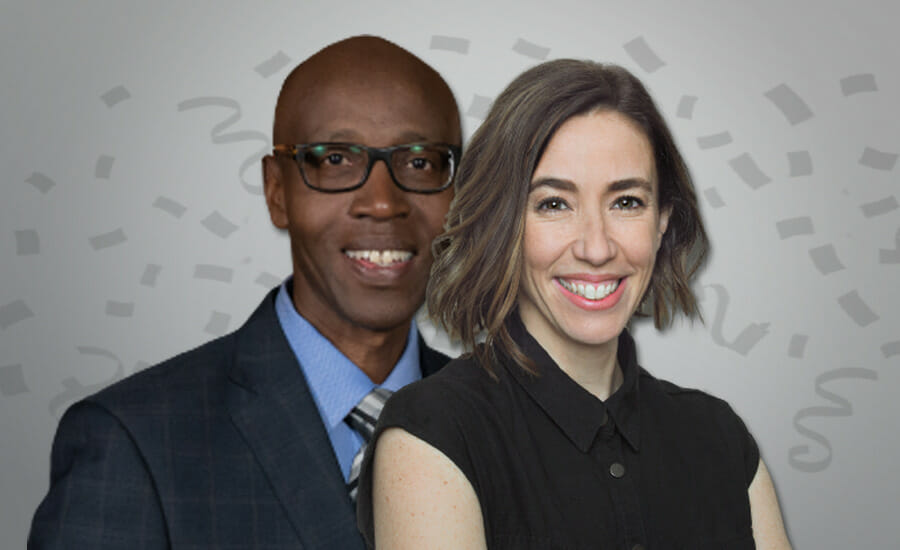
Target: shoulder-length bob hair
(476, 273)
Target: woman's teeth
(589, 291)
(381, 258)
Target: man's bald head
(359, 63)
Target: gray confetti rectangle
(858, 83)
(28, 243)
(13, 313)
(114, 96)
(119, 309)
(450, 44)
(530, 49)
(219, 225)
(714, 140)
(686, 107)
(825, 259)
(643, 55)
(889, 257)
(854, 306)
(891, 349)
(479, 106)
(797, 346)
(12, 380)
(213, 273)
(713, 197)
(794, 227)
(879, 160)
(791, 105)
(218, 323)
(40, 182)
(268, 280)
(107, 240)
(169, 206)
(747, 169)
(272, 65)
(151, 272)
(800, 163)
(880, 207)
(104, 167)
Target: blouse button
(637, 547)
(617, 470)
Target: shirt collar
(337, 385)
(577, 412)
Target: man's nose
(379, 197)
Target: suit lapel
(271, 405)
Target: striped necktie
(363, 418)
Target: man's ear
(275, 191)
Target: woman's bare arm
(421, 499)
(768, 527)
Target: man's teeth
(589, 291)
(380, 257)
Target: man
(243, 442)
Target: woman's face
(592, 230)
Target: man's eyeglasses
(339, 167)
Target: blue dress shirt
(337, 384)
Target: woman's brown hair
(477, 267)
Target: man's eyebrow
(555, 183)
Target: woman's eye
(628, 203)
(552, 203)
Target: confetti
(12, 380)
(713, 197)
(879, 207)
(854, 306)
(640, 52)
(13, 313)
(41, 182)
(825, 259)
(107, 240)
(114, 96)
(213, 273)
(745, 167)
(686, 107)
(119, 309)
(714, 140)
(858, 83)
(794, 227)
(879, 160)
(530, 49)
(169, 206)
(800, 163)
(104, 167)
(888, 256)
(480, 106)
(794, 109)
(268, 280)
(217, 224)
(272, 65)
(891, 349)
(450, 44)
(151, 272)
(27, 242)
(218, 323)
(797, 346)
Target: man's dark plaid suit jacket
(220, 447)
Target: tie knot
(365, 414)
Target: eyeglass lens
(340, 166)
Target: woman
(574, 211)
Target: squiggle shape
(748, 337)
(219, 137)
(843, 408)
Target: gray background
(131, 225)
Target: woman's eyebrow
(555, 183)
(631, 183)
